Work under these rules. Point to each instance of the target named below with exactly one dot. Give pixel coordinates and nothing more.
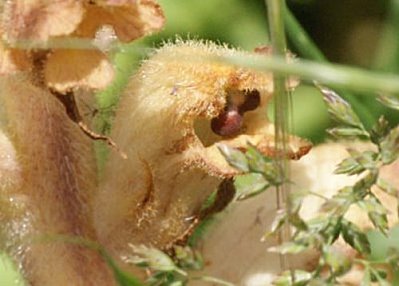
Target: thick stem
(54, 196)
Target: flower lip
(230, 121)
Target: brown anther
(228, 123)
(252, 101)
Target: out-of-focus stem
(387, 55)
(276, 10)
(308, 49)
(334, 75)
(301, 40)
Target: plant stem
(334, 75)
(57, 43)
(308, 49)
(387, 56)
(276, 10)
(281, 97)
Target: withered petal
(12, 60)
(130, 19)
(70, 69)
(40, 19)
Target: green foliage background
(347, 31)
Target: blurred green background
(349, 32)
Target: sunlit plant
(190, 103)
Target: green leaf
(122, 278)
(349, 166)
(188, 258)
(250, 185)
(301, 278)
(297, 221)
(260, 164)
(307, 239)
(290, 247)
(213, 280)
(362, 186)
(373, 205)
(326, 225)
(125, 279)
(366, 281)
(234, 157)
(337, 261)
(389, 100)
(367, 159)
(200, 231)
(380, 221)
(272, 175)
(346, 132)
(152, 258)
(390, 146)
(340, 110)
(355, 237)
(319, 222)
(296, 198)
(393, 255)
(387, 187)
(256, 161)
(380, 130)
(278, 222)
(357, 163)
(341, 201)
(379, 276)
(176, 283)
(366, 183)
(252, 193)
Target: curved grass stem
(333, 75)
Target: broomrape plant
(192, 118)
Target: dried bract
(32, 24)
(64, 70)
(38, 20)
